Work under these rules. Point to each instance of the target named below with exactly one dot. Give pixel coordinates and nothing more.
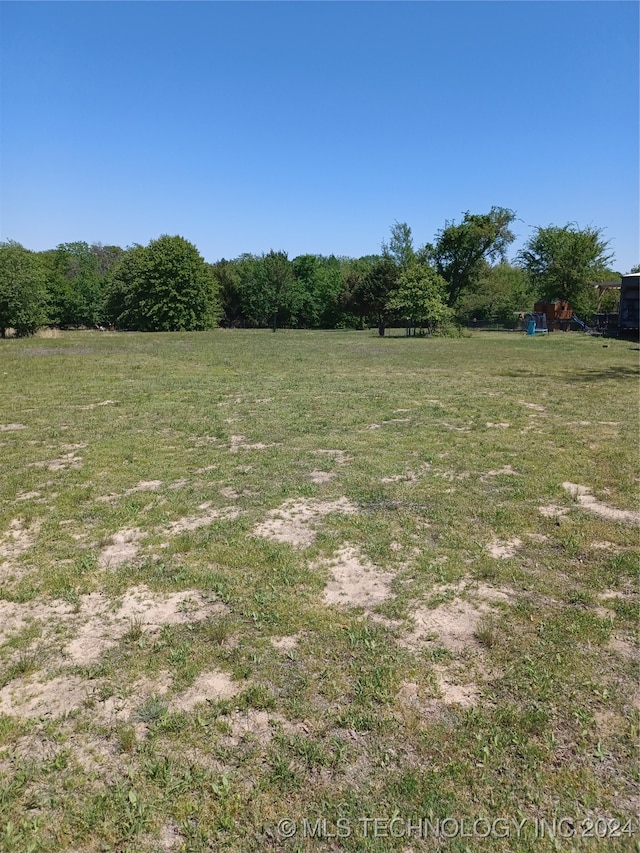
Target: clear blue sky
(312, 126)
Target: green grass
(352, 721)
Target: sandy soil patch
(454, 693)
(340, 456)
(296, 521)
(232, 494)
(67, 462)
(239, 442)
(123, 547)
(101, 626)
(320, 477)
(504, 550)
(11, 427)
(454, 427)
(606, 546)
(16, 540)
(535, 406)
(625, 648)
(34, 696)
(124, 704)
(287, 643)
(584, 497)
(506, 470)
(98, 405)
(498, 425)
(356, 581)
(14, 617)
(453, 624)
(193, 522)
(408, 476)
(553, 510)
(208, 687)
(259, 726)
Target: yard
(318, 591)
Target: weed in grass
(127, 739)
(152, 710)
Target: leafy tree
(499, 293)
(562, 263)
(420, 297)
(400, 246)
(74, 284)
(278, 283)
(22, 290)
(163, 287)
(372, 292)
(461, 251)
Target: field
(318, 591)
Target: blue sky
(313, 126)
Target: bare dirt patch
(505, 470)
(123, 547)
(453, 624)
(504, 550)
(67, 462)
(584, 497)
(193, 522)
(553, 511)
(296, 521)
(101, 626)
(35, 696)
(11, 427)
(408, 476)
(497, 426)
(208, 687)
(287, 643)
(535, 406)
(453, 692)
(320, 477)
(356, 581)
(606, 546)
(92, 406)
(340, 456)
(16, 541)
(239, 442)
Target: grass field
(318, 591)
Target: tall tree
(400, 246)
(460, 251)
(420, 297)
(562, 263)
(23, 292)
(74, 284)
(164, 287)
(371, 293)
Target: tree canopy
(562, 263)
(460, 251)
(163, 287)
(23, 295)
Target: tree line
(462, 277)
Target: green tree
(74, 284)
(563, 263)
(461, 251)
(420, 297)
(23, 291)
(278, 283)
(400, 246)
(501, 292)
(163, 287)
(372, 291)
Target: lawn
(318, 591)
